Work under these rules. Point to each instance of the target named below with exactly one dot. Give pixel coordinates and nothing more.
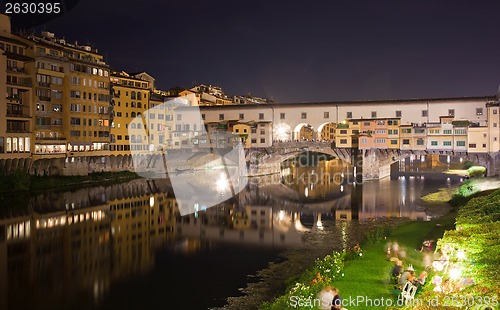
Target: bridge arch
(326, 131)
(304, 131)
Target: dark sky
(293, 51)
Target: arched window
(132, 114)
(139, 95)
(139, 105)
(133, 126)
(132, 104)
(139, 139)
(132, 95)
(132, 138)
(139, 114)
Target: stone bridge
(366, 163)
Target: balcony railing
(43, 98)
(17, 110)
(16, 126)
(44, 84)
(50, 138)
(20, 82)
(16, 69)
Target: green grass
(370, 276)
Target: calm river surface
(126, 245)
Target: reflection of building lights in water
(342, 174)
(341, 188)
(281, 215)
(344, 234)
(319, 224)
(354, 170)
(151, 201)
(448, 158)
(306, 192)
(422, 158)
(461, 159)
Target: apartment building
(16, 86)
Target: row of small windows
(448, 143)
(14, 145)
(349, 115)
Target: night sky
(294, 51)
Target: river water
(126, 245)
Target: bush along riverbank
(20, 181)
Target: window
(202, 117)
(446, 143)
(451, 112)
(406, 130)
(343, 141)
(424, 113)
(261, 116)
(262, 140)
(326, 114)
(242, 116)
(460, 131)
(495, 111)
(484, 144)
(343, 131)
(304, 115)
(221, 117)
(282, 115)
(420, 142)
(434, 143)
(472, 145)
(479, 111)
(349, 115)
(254, 140)
(460, 143)
(398, 113)
(394, 142)
(374, 113)
(494, 124)
(406, 141)
(447, 131)
(262, 131)
(364, 140)
(434, 131)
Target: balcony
(13, 97)
(43, 98)
(17, 110)
(15, 70)
(44, 84)
(17, 126)
(52, 56)
(50, 138)
(19, 82)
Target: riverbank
(21, 182)
(366, 281)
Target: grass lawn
(369, 277)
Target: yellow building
(71, 97)
(16, 87)
(347, 134)
(130, 99)
(478, 138)
(493, 126)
